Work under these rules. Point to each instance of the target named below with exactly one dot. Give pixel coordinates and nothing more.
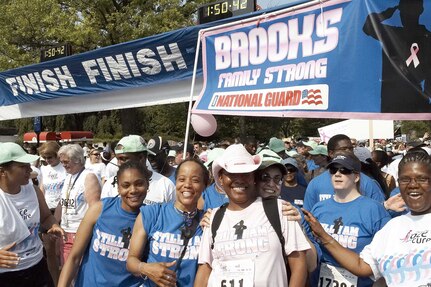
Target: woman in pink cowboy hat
(246, 249)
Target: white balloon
(204, 124)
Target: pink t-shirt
(248, 235)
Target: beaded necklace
(187, 216)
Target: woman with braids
(99, 253)
(401, 251)
(165, 241)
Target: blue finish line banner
(148, 61)
(340, 59)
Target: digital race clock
(225, 9)
(56, 52)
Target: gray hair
(74, 152)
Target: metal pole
(186, 139)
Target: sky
(273, 3)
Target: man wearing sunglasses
(290, 189)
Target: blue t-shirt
(311, 165)
(162, 224)
(213, 198)
(294, 195)
(300, 178)
(104, 261)
(353, 224)
(172, 178)
(320, 188)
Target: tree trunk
(129, 121)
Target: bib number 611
(232, 283)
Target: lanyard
(187, 232)
(69, 188)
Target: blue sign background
(354, 67)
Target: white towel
(12, 226)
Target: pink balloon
(204, 124)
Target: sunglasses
(342, 170)
(267, 178)
(291, 169)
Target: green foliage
(415, 129)
(29, 26)
(165, 120)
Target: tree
(415, 129)
(86, 25)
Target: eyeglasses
(267, 178)
(418, 180)
(96, 154)
(342, 170)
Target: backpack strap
(215, 224)
(270, 206)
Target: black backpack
(270, 207)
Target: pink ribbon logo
(414, 49)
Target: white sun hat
(235, 159)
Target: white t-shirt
(30, 250)
(401, 251)
(111, 169)
(248, 235)
(53, 180)
(97, 168)
(86, 150)
(393, 169)
(161, 189)
(73, 203)
(12, 226)
(37, 171)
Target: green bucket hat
(270, 158)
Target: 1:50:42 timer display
(225, 9)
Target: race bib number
(331, 276)
(236, 273)
(68, 205)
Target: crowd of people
(281, 213)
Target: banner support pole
(189, 114)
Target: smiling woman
(269, 176)
(96, 260)
(246, 249)
(402, 247)
(170, 232)
(81, 189)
